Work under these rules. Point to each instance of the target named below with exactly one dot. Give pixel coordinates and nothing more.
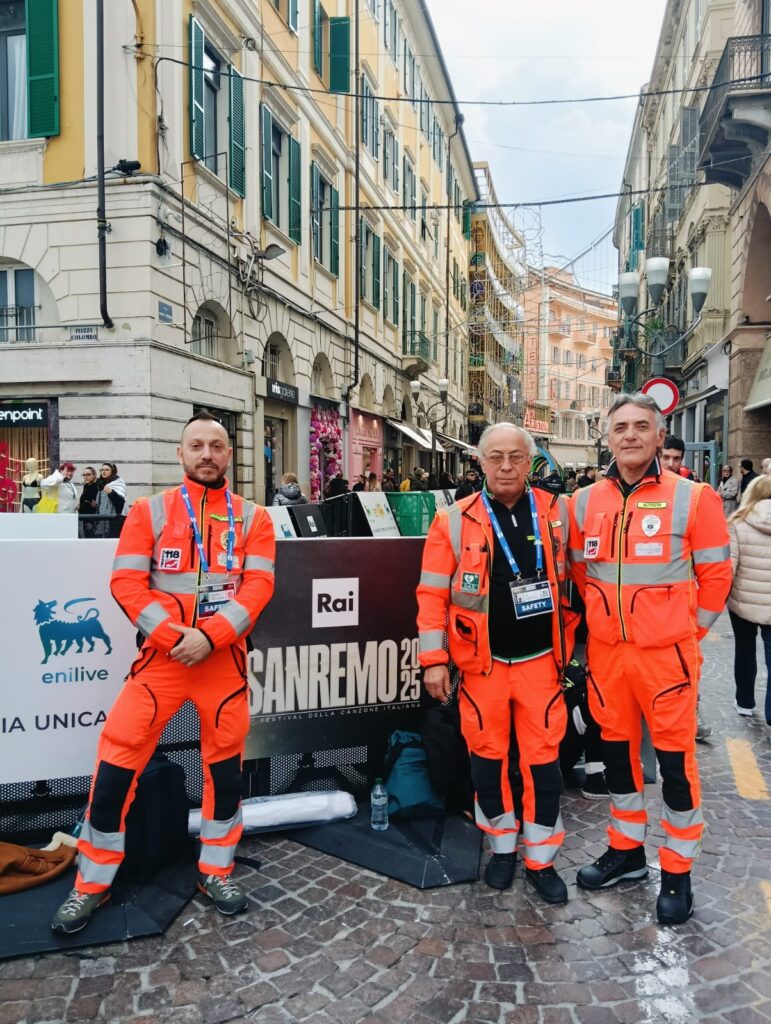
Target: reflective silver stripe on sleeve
(174, 582)
(96, 874)
(706, 618)
(238, 617)
(258, 562)
(580, 502)
(471, 602)
(681, 507)
(113, 841)
(248, 510)
(577, 555)
(455, 523)
(640, 574)
(158, 514)
(220, 829)
(139, 563)
(628, 801)
(435, 579)
(705, 556)
(431, 640)
(682, 819)
(151, 616)
(216, 856)
(564, 507)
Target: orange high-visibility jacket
(459, 543)
(654, 567)
(156, 570)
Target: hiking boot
(548, 884)
(226, 895)
(614, 866)
(595, 787)
(499, 873)
(675, 902)
(76, 911)
(703, 731)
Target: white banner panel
(283, 527)
(378, 512)
(66, 649)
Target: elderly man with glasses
(493, 584)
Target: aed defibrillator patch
(469, 583)
(170, 558)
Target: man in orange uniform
(193, 570)
(649, 554)
(493, 579)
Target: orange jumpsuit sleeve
(433, 593)
(257, 583)
(711, 553)
(576, 566)
(150, 611)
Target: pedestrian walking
(650, 558)
(418, 479)
(373, 484)
(728, 490)
(749, 603)
(748, 475)
(195, 604)
(389, 483)
(493, 577)
(289, 492)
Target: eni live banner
(335, 658)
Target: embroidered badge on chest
(651, 525)
(170, 559)
(469, 583)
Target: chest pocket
(647, 535)
(599, 537)
(472, 576)
(217, 544)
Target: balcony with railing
(17, 324)
(416, 353)
(735, 124)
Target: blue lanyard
(505, 544)
(197, 532)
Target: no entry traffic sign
(664, 393)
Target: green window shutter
(413, 295)
(362, 260)
(267, 163)
(295, 189)
(292, 14)
(405, 326)
(395, 266)
(318, 57)
(375, 129)
(387, 259)
(334, 233)
(376, 271)
(237, 162)
(339, 54)
(405, 195)
(395, 163)
(467, 220)
(42, 17)
(315, 212)
(197, 125)
(386, 154)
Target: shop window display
(326, 459)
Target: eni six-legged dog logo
(58, 635)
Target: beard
(202, 475)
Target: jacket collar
(196, 490)
(652, 473)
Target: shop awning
(760, 394)
(458, 443)
(411, 433)
(427, 434)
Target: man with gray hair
(493, 585)
(637, 538)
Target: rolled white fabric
(262, 813)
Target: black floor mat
(136, 910)
(424, 852)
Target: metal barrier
(100, 527)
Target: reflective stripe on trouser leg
(628, 820)
(99, 856)
(682, 845)
(541, 844)
(219, 840)
(501, 831)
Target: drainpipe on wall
(101, 223)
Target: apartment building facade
(233, 227)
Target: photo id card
(531, 597)
(212, 597)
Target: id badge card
(531, 597)
(212, 597)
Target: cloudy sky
(547, 49)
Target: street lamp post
(668, 336)
(443, 384)
(595, 431)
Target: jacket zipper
(672, 689)
(200, 566)
(657, 586)
(683, 662)
(626, 535)
(619, 583)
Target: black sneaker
(614, 866)
(675, 902)
(595, 787)
(499, 873)
(548, 884)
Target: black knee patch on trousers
(486, 776)
(228, 787)
(547, 786)
(110, 791)
(618, 766)
(675, 788)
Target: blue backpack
(407, 778)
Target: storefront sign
(534, 425)
(87, 333)
(335, 660)
(283, 392)
(24, 414)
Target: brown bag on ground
(22, 867)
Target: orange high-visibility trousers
(155, 689)
(517, 708)
(625, 683)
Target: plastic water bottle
(379, 803)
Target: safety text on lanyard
(505, 544)
(197, 532)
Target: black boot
(614, 866)
(675, 902)
(548, 884)
(499, 873)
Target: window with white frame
(370, 126)
(374, 6)
(325, 221)
(555, 354)
(204, 335)
(289, 11)
(437, 144)
(13, 71)
(390, 157)
(409, 72)
(435, 231)
(595, 396)
(423, 320)
(17, 304)
(391, 30)
(390, 287)
(567, 357)
(281, 176)
(423, 215)
(409, 189)
(410, 342)
(581, 361)
(369, 266)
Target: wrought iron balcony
(416, 354)
(735, 123)
(614, 378)
(17, 323)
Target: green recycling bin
(413, 511)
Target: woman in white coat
(749, 603)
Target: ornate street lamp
(441, 402)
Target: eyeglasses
(515, 458)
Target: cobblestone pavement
(329, 943)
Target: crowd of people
(102, 494)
